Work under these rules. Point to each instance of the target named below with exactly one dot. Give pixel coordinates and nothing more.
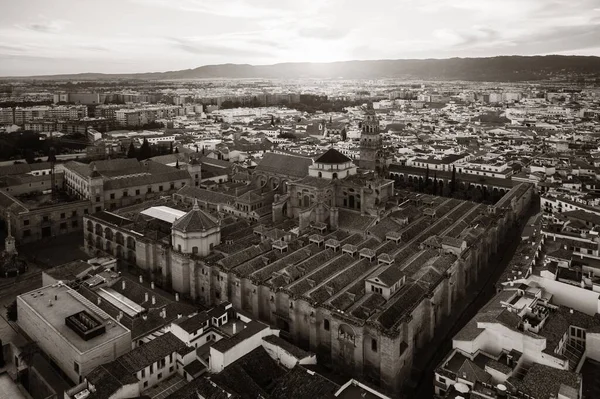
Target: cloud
(228, 8)
(46, 26)
(467, 37)
(197, 47)
(323, 32)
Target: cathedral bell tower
(371, 147)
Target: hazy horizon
(135, 36)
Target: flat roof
(69, 302)
(8, 388)
(163, 213)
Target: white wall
(220, 360)
(286, 358)
(585, 301)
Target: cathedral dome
(195, 220)
(333, 156)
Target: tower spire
(196, 207)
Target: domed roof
(333, 156)
(195, 220)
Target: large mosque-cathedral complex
(324, 249)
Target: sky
(40, 37)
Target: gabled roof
(195, 220)
(284, 164)
(472, 372)
(333, 156)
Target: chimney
(141, 279)
(234, 328)
(179, 315)
(152, 284)
(177, 296)
(99, 301)
(163, 313)
(123, 284)
(146, 297)
(153, 300)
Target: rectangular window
(125, 193)
(76, 367)
(137, 192)
(26, 222)
(112, 196)
(74, 213)
(144, 373)
(145, 384)
(326, 324)
(97, 199)
(160, 188)
(98, 208)
(373, 344)
(63, 226)
(26, 233)
(149, 189)
(62, 215)
(159, 376)
(45, 218)
(74, 223)
(85, 211)
(172, 186)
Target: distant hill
(505, 68)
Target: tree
(52, 155)
(131, 151)
(28, 352)
(177, 164)
(453, 181)
(11, 311)
(145, 151)
(29, 156)
(171, 147)
(176, 150)
(427, 176)
(272, 120)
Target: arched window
(326, 324)
(320, 174)
(194, 250)
(335, 175)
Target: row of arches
(104, 245)
(110, 235)
(411, 179)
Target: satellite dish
(462, 388)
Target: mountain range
(497, 69)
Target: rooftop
(54, 303)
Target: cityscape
(240, 222)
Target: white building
(76, 334)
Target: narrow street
(442, 343)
